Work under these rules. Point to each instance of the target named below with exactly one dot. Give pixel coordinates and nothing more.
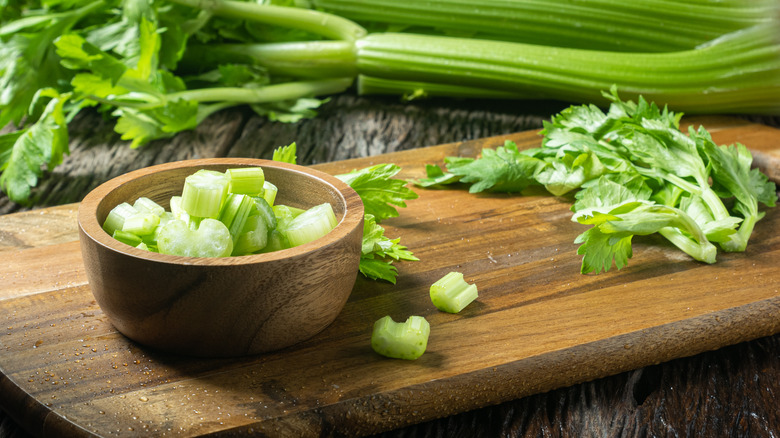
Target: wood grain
(538, 325)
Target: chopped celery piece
(401, 340)
(203, 193)
(253, 237)
(264, 209)
(147, 205)
(311, 224)
(276, 241)
(127, 238)
(141, 223)
(246, 180)
(151, 239)
(117, 216)
(177, 211)
(142, 246)
(210, 239)
(269, 192)
(235, 211)
(452, 294)
(284, 216)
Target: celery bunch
(160, 67)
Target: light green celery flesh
(203, 193)
(741, 73)
(127, 237)
(401, 340)
(141, 223)
(452, 293)
(265, 211)
(311, 225)
(246, 180)
(145, 204)
(235, 211)
(269, 193)
(117, 216)
(253, 237)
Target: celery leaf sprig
(633, 172)
(381, 194)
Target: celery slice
(264, 209)
(143, 246)
(203, 193)
(147, 205)
(211, 239)
(253, 237)
(141, 223)
(311, 224)
(117, 216)
(127, 238)
(452, 294)
(276, 241)
(401, 340)
(235, 211)
(177, 211)
(246, 180)
(269, 192)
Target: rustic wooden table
(732, 391)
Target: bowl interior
(298, 186)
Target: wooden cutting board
(537, 325)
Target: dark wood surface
(732, 391)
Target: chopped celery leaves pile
(634, 173)
(219, 214)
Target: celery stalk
(203, 193)
(211, 239)
(141, 223)
(269, 192)
(147, 205)
(614, 25)
(117, 216)
(264, 210)
(246, 180)
(235, 211)
(451, 293)
(311, 224)
(253, 237)
(736, 73)
(127, 237)
(401, 340)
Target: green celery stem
(739, 73)
(703, 251)
(269, 93)
(327, 25)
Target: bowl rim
(90, 227)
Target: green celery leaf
(600, 250)
(504, 169)
(379, 190)
(78, 54)
(286, 154)
(435, 176)
(43, 143)
(378, 252)
(377, 269)
(291, 111)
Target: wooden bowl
(231, 306)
